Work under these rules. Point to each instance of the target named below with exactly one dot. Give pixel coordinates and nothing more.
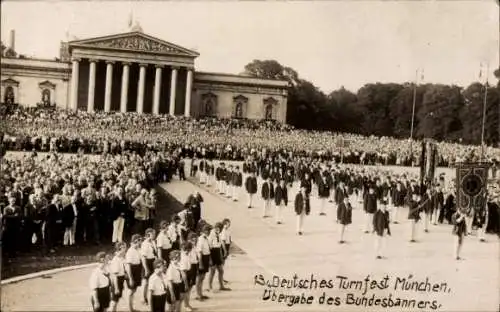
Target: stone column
(140, 88)
(173, 86)
(109, 85)
(189, 83)
(75, 72)
(156, 98)
(124, 92)
(91, 94)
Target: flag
(480, 71)
(422, 76)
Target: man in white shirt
(163, 242)
(148, 256)
(100, 284)
(133, 268)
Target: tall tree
(341, 104)
(401, 108)
(472, 114)
(439, 114)
(373, 104)
(306, 103)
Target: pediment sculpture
(137, 43)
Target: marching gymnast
(148, 255)
(225, 236)
(117, 274)
(175, 281)
(157, 289)
(216, 255)
(100, 284)
(187, 266)
(133, 268)
(163, 242)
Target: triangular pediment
(47, 84)
(10, 82)
(240, 98)
(135, 42)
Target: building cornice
(230, 84)
(226, 78)
(36, 68)
(239, 88)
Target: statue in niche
(269, 112)
(209, 107)
(46, 97)
(9, 95)
(239, 110)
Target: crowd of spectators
(60, 200)
(227, 139)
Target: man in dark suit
(220, 177)
(203, 174)
(237, 182)
(54, 224)
(345, 217)
(302, 208)
(119, 213)
(323, 193)
(228, 182)
(104, 215)
(398, 199)
(437, 202)
(193, 203)
(380, 225)
(251, 187)
(267, 193)
(415, 206)
(306, 183)
(280, 199)
(92, 220)
(10, 226)
(370, 207)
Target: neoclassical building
(135, 72)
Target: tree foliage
(442, 112)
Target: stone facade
(137, 72)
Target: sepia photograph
(234, 156)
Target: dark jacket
(68, 215)
(345, 213)
(237, 179)
(414, 210)
(54, 214)
(267, 191)
(302, 204)
(323, 189)
(307, 184)
(381, 222)
(370, 203)
(119, 208)
(281, 195)
(251, 185)
(398, 197)
(340, 194)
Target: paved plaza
(274, 250)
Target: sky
(330, 43)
